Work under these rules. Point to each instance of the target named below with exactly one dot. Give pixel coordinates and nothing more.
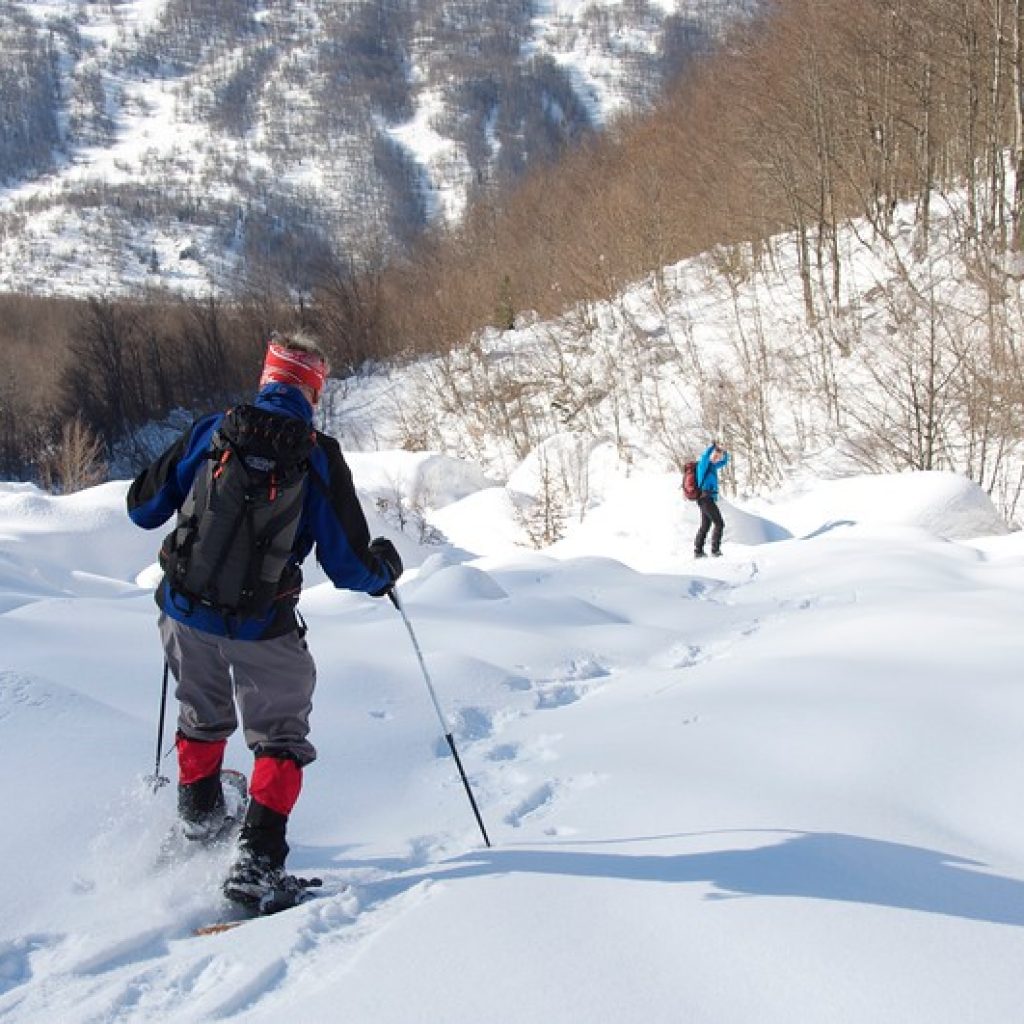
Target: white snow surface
(784, 785)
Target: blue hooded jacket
(332, 520)
(707, 472)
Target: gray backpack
(237, 527)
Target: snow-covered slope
(720, 345)
(780, 786)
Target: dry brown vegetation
(77, 376)
(817, 111)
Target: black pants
(709, 516)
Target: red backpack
(690, 489)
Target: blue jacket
(332, 520)
(707, 472)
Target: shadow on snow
(805, 865)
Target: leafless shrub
(543, 516)
(76, 462)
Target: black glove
(387, 562)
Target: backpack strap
(245, 513)
(178, 545)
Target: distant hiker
(254, 489)
(715, 457)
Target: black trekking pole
(156, 780)
(392, 593)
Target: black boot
(263, 834)
(257, 879)
(201, 808)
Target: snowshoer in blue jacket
(715, 457)
(257, 656)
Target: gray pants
(272, 681)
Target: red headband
(294, 366)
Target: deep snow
(781, 786)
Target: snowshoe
(237, 914)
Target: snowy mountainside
(721, 346)
(187, 143)
(774, 787)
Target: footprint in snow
(16, 959)
(681, 656)
(474, 723)
(688, 654)
(558, 695)
(574, 682)
(542, 799)
(135, 948)
(537, 801)
(539, 748)
(504, 752)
